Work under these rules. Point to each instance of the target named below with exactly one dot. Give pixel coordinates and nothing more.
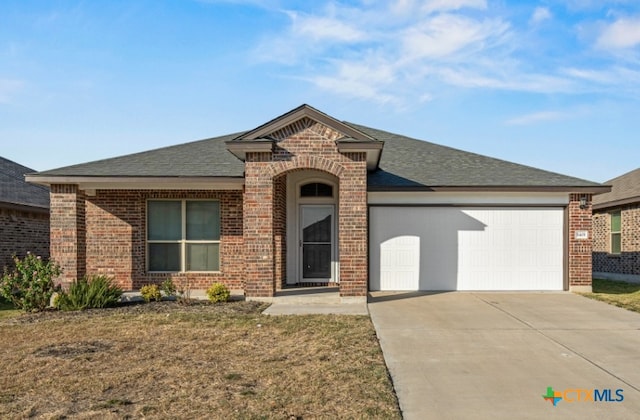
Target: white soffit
(465, 198)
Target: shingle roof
(203, 158)
(625, 189)
(14, 189)
(408, 163)
(405, 163)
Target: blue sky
(552, 84)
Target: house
(616, 230)
(306, 199)
(24, 214)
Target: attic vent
(293, 128)
(316, 189)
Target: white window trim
(182, 242)
(612, 232)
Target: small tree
(30, 285)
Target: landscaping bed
(203, 360)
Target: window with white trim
(183, 235)
(616, 230)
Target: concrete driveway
(492, 355)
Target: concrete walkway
(493, 355)
(315, 300)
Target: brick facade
(625, 265)
(580, 249)
(111, 239)
(303, 145)
(22, 231)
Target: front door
(317, 244)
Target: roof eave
(240, 149)
(92, 183)
(505, 188)
(24, 207)
(617, 203)
(372, 150)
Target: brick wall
(579, 249)
(68, 232)
(304, 145)
(628, 261)
(22, 231)
(114, 237)
(280, 230)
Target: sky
(552, 84)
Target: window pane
(203, 257)
(324, 190)
(615, 222)
(203, 220)
(316, 261)
(316, 189)
(164, 220)
(164, 257)
(316, 224)
(616, 245)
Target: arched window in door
(316, 189)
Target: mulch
(140, 308)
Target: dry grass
(163, 360)
(622, 294)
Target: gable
(346, 137)
(303, 124)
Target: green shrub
(30, 285)
(151, 292)
(95, 291)
(168, 288)
(218, 292)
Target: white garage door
(477, 248)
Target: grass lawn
(165, 360)
(624, 295)
(7, 310)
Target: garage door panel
(467, 248)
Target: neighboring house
(24, 214)
(306, 199)
(616, 230)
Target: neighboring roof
(15, 190)
(625, 189)
(405, 163)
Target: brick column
(258, 227)
(352, 226)
(580, 249)
(68, 231)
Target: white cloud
(510, 79)
(537, 117)
(320, 28)
(540, 14)
(447, 34)
(366, 79)
(447, 5)
(623, 33)
(8, 88)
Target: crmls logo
(571, 395)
